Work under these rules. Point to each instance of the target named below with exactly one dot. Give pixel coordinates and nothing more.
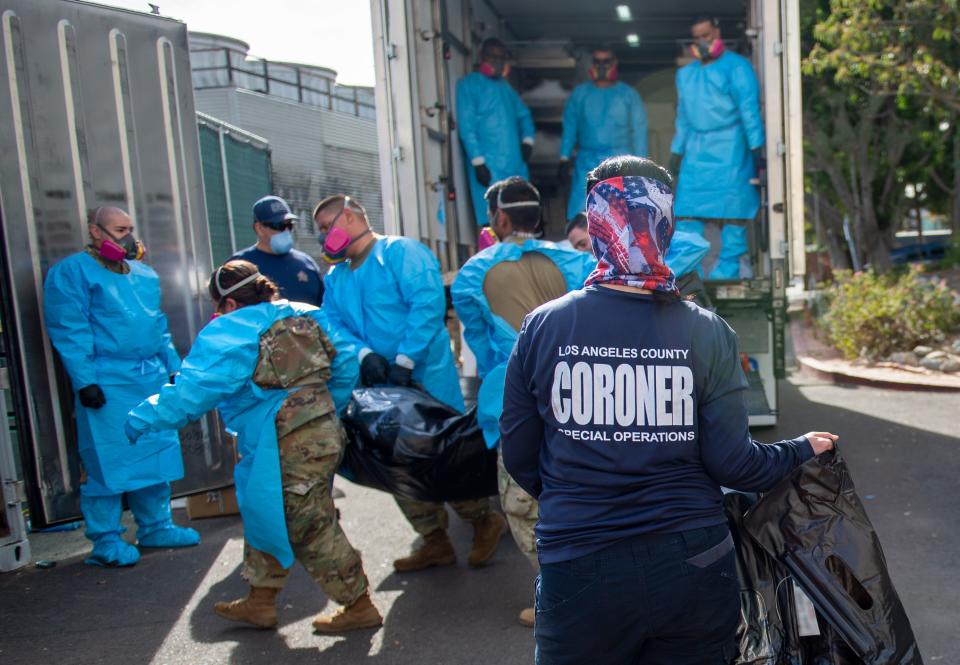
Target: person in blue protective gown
(385, 295)
(492, 294)
(495, 126)
(602, 118)
(278, 374)
(102, 312)
(717, 150)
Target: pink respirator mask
(703, 51)
(335, 245)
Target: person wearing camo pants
(277, 379)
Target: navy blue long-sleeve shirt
(295, 273)
(624, 416)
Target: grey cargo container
(96, 107)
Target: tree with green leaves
(881, 98)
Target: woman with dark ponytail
(623, 414)
(278, 374)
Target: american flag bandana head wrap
(630, 221)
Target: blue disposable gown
(601, 123)
(394, 304)
(218, 372)
(718, 124)
(686, 251)
(492, 122)
(489, 336)
(109, 330)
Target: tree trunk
(876, 250)
(829, 228)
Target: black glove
(526, 149)
(92, 396)
(483, 174)
(400, 375)
(760, 164)
(374, 370)
(563, 172)
(675, 160)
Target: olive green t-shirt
(516, 288)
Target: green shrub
(872, 315)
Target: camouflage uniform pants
(522, 511)
(426, 517)
(309, 456)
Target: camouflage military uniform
(521, 510)
(426, 517)
(295, 354)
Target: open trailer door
(96, 108)
(420, 48)
(775, 28)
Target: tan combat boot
(527, 617)
(437, 550)
(258, 609)
(487, 532)
(362, 614)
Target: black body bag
(812, 528)
(403, 441)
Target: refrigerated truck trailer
(96, 108)
(422, 47)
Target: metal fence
(224, 67)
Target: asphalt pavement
(902, 449)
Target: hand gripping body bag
(814, 523)
(404, 442)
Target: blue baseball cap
(272, 210)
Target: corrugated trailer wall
(96, 108)
(315, 152)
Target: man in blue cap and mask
(295, 272)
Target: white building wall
(315, 152)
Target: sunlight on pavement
(925, 411)
(223, 566)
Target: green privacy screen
(248, 174)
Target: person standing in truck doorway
(717, 150)
(385, 297)
(102, 311)
(602, 118)
(296, 273)
(495, 126)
